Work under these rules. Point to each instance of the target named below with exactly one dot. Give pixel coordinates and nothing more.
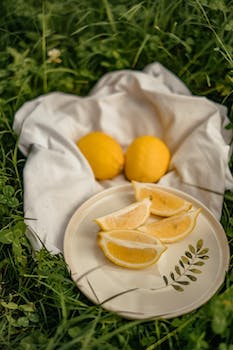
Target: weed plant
(40, 306)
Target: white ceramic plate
(186, 276)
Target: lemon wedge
(164, 203)
(174, 228)
(128, 217)
(130, 248)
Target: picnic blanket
(124, 104)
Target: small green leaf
(33, 317)
(22, 322)
(199, 263)
(6, 236)
(177, 269)
(199, 244)
(204, 257)
(3, 199)
(165, 280)
(224, 346)
(11, 320)
(195, 271)
(19, 228)
(13, 202)
(185, 283)
(177, 287)
(181, 263)
(191, 277)
(188, 254)
(146, 340)
(2, 182)
(172, 276)
(74, 331)
(185, 260)
(8, 191)
(36, 340)
(10, 305)
(231, 221)
(27, 307)
(219, 323)
(203, 251)
(192, 249)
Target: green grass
(40, 307)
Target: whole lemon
(146, 159)
(103, 153)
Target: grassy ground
(40, 307)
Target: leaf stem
(109, 15)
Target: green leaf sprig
(188, 267)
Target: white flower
(54, 56)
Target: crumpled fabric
(124, 104)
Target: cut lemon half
(174, 228)
(164, 203)
(128, 217)
(130, 248)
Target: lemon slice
(164, 203)
(128, 217)
(174, 228)
(130, 248)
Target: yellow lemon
(164, 203)
(146, 159)
(174, 228)
(130, 248)
(103, 153)
(128, 217)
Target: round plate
(187, 274)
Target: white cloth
(124, 104)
